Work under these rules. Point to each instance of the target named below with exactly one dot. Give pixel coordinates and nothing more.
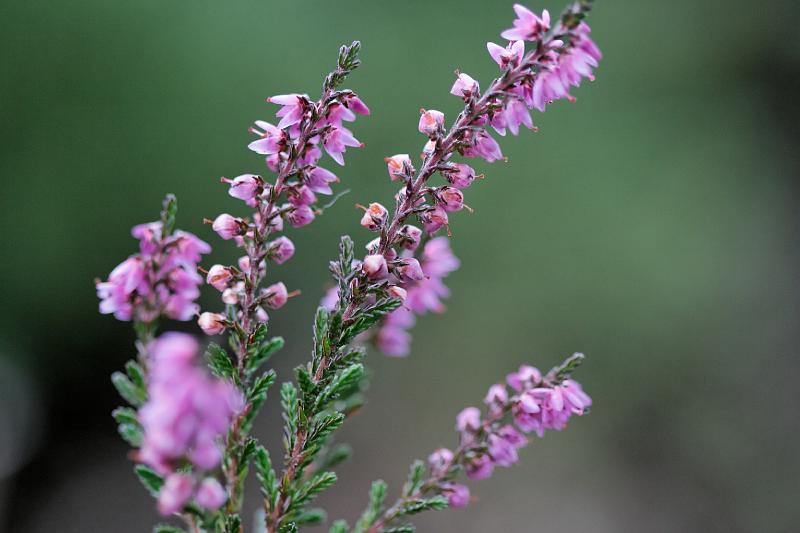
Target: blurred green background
(651, 225)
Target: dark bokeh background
(651, 225)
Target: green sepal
(151, 481)
(132, 394)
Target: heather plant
(190, 426)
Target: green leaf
(151, 481)
(424, 504)
(343, 380)
(132, 433)
(161, 528)
(309, 490)
(289, 527)
(321, 321)
(131, 393)
(168, 213)
(369, 317)
(266, 475)
(340, 526)
(263, 352)
(233, 524)
(257, 395)
(337, 455)
(125, 415)
(290, 413)
(405, 528)
(311, 517)
(220, 362)
(136, 374)
(416, 476)
(324, 425)
(307, 385)
(563, 371)
(377, 497)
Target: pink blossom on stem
(211, 495)
(465, 86)
(527, 26)
(227, 226)
(398, 165)
(281, 250)
(319, 180)
(336, 142)
(212, 323)
(175, 494)
(275, 296)
(431, 122)
(508, 56)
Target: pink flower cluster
(529, 81)
(292, 149)
(535, 403)
(161, 279)
(186, 415)
(420, 296)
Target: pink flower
(480, 467)
(227, 226)
(318, 180)
(393, 341)
(483, 145)
(433, 219)
(211, 323)
(496, 398)
(211, 495)
(292, 110)
(374, 217)
(451, 199)
(409, 270)
(302, 195)
(508, 56)
(175, 494)
(440, 461)
(460, 175)
(281, 250)
(300, 216)
(355, 104)
(374, 266)
(465, 86)
(468, 420)
(527, 26)
(275, 296)
(398, 292)
(457, 494)
(272, 139)
(219, 276)
(399, 165)
(502, 452)
(410, 237)
(246, 187)
(336, 141)
(526, 377)
(115, 294)
(431, 122)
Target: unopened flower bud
(230, 296)
(246, 187)
(211, 323)
(276, 295)
(227, 226)
(468, 420)
(440, 461)
(398, 292)
(450, 198)
(218, 277)
(374, 266)
(281, 250)
(210, 494)
(300, 216)
(410, 237)
(374, 217)
(457, 494)
(261, 315)
(431, 122)
(410, 270)
(397, 165)
(496, 398)
(465, 87)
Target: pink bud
(300, 216)
(276, 295)
(211, 323)
(210, 494)
(410, 237)
(246, 187)
(431, 122)
(397, 165)
(374, 217)
(410, 270)
(230, 296)
(374, 266)
(398, 292)
(227, 226)
(450, 198)
(465, 86)
(281, 250)
(176, 492)
(218, 277)
(440, 460)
